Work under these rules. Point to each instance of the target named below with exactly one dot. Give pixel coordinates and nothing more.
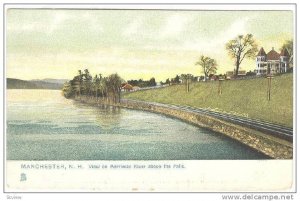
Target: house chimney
(272, 48)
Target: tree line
(143, 83)
(109, 88)
(102, 88)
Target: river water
(43, 125)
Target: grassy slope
(241, 97)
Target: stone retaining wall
(267, 144)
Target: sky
(56, 43)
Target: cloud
(177, 27)
(91, 22)
(54, 24)
(138, 31)
(174, 25)
(58, 19)
(18, 27)
(54, 21)
(133, 28)
(238, 27)
(213, 44)
(171, 26)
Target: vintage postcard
(149, 98)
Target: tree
(240, 48)
(96, 85)
(78, 82)
(108, 88)
(114, 87)
(177, 79)
(104, 87)
(168, 81)
(87, 82)
(67, 90)
(152, 82)
(208, 65)
(186, 78)
(289, 46)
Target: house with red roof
(126, 87)
(272, 63)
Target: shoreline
(266, 144)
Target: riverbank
(269, 145)
(246, 98)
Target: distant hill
(19, 84)
(49, 80)
(24, 84)
(47, 85)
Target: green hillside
(240, 97)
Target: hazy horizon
(136, 44)
(37, 79)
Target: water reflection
(104, 115)
(108, 116)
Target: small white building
(272, 63)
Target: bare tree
(240, 48)
(208, 65)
